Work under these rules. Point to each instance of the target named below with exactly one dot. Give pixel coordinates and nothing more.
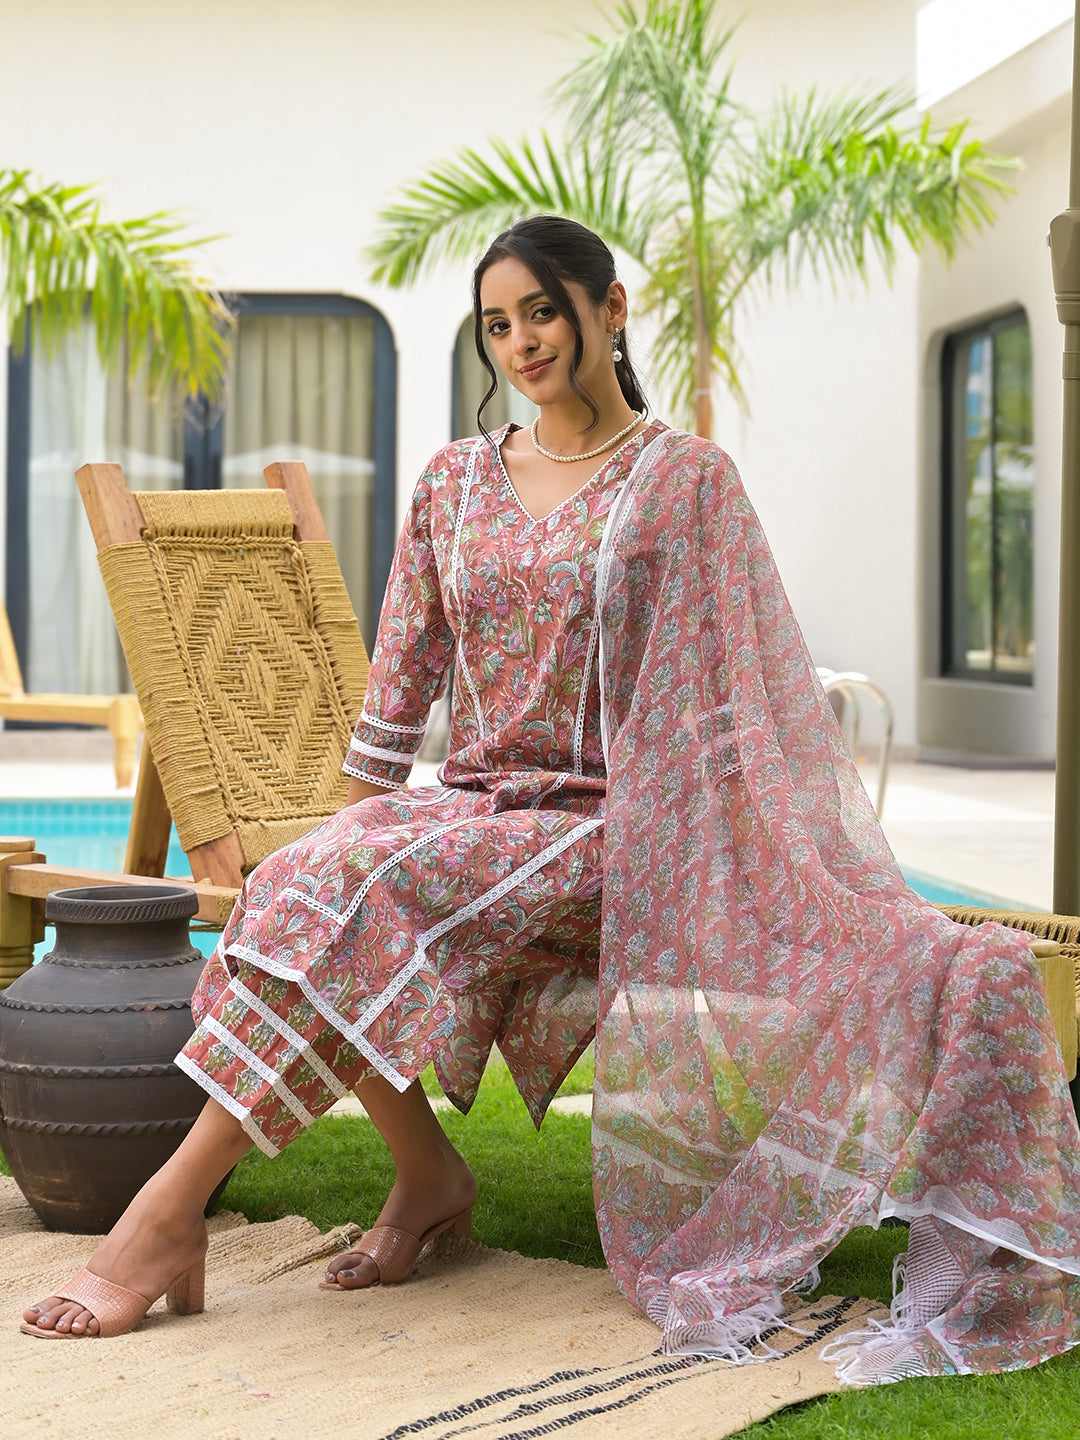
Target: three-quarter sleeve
(410, 658)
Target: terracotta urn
(91, 1103)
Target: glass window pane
(80, 413)
(302, 387)
(1014, 480)
(975, 642)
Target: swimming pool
(89, 833)
(93, 833)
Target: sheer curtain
(303, 388)
(78, 412)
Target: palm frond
(456, 209)
(827, 183)
(664, 163)
(60, 259)
(651, 82)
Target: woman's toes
(351, 1272)
(63, 1316)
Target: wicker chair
(248, 663)
(1057, 948)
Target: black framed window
(313, 377)
(988, 503)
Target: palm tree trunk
(703, 376)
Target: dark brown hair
(556, 250)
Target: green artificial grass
(536, 1198)
(535, 1187)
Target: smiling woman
(649, 825)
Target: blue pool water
(93, 834)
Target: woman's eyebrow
(525, 300)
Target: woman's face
(533, 344)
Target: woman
(789, 1043)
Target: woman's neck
(565, 426)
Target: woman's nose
(522, 339)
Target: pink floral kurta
(426, 924)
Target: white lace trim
(947, 1206)
(396, 757)
(325, 1009)
(260, 1067)
(295, 1040)
(469, 912)
(605, 557)
(225, 1100)
(342, 917)
(456, 573)
(586, 676)
(371, 779)
(366, 719)
(355, 1032)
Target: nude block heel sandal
(394, 1252)
(117, 1309)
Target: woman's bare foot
(145, 1251)
(162, 1233)
(447, 1189)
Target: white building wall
(283, 129)
(829, 452)
(1019, 107)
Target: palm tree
(60, 262)
(705, 196)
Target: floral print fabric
(790, 1042)
(426, 924)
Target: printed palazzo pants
(418, 926)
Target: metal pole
(1065, 256)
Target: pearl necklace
(589, 454)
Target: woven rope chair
(246, 658)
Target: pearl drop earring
(616, 353)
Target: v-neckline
(541, 519)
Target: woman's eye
(497, 327)
(543, 312)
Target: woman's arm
(363, 790)
(409, 659)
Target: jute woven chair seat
(245, 655)
(1061, 973)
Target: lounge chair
(120, 714)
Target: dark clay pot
(91, 1103)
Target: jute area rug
(479, 1344)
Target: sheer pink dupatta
(790, 1042)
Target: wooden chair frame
(119, 714)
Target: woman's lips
(530, 372)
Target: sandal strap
(392, 1251)
(114, 1307)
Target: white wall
(830, 449)
(284, 128)
(1021, 108)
